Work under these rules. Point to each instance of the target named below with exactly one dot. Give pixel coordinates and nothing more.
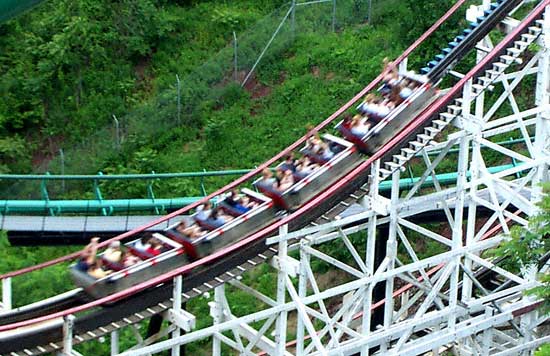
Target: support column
(68, 324)
(462, 171)
(280, 331)
(302, 293)
(235, 58)
(391, 253)
(457, 231)
(542, 131)
(466, 290)
(370, 256)
(6, 294)
(487, 337)
(115, 348)
(216, 312)
(176, 307)
(465, 145)
(541, 145)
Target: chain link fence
(180, 105)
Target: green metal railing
(12, 8)
(126, 206)
(105, 207)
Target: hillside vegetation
(68, 66)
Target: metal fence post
(369, 15)
(179, 99)
(293, 19)
(333, 15)
(117, 132)
(235, 56)
(62, 159)
(285, 18)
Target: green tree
(528, 246)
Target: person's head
(289, 158)
(95, 239)
(234, 193)
(215, 213)
(207, 205)
(145, 238)
(155, 243)
(96, 264)
(266, 173)
(115, 245)
(181, 226)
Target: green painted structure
(126, 206)
(12, 8)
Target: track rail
(324, 202)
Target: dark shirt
(215, 222)
(288, 166)
(82, 266)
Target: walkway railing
(100, 205)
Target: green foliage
(14, 152)
(543, 350)
(53, 279)
(68, 71)
(526, 247)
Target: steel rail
(266, 164)
(262, 234)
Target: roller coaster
(316, 208)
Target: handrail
(168, 175)
(127, 205)
(266, 164)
